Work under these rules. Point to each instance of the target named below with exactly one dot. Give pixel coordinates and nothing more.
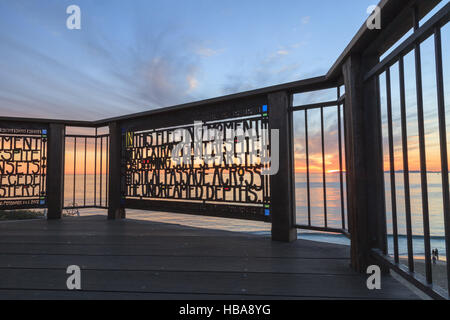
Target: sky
(131, 56)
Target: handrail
(440, 18)
(414, 278)
(390, 11)
(272, 106)
(306, 85)
(315, 105)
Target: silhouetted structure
(137, 148)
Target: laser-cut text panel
(23, 168)
(219, 166)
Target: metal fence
(86, 169)
(217, 172)
(399, 144)
(97, 165)
(335, 200)
(23, 168)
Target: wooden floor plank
(145, 260)
(231, 283)
(173, 263)
(102, 295)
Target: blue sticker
(264, 108)
(267, 212)
(44, 131)
(42, 202)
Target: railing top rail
(312, 84)
(396, 20)
(426, 30)
(73, 123)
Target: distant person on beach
(436, 252)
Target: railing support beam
(282, 183)
(55, 171)
(366, 212)
(115, 209)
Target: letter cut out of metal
(23, 168)
(207, 167)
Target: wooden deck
(134, 259)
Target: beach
(439, 270)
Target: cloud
(287, 68)
(192, 81)
(151, 70)
(207, 52)
(236, 83)
(282, 52)
(305, 20)
(298, 44)
(268, 70)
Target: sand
(439, 270)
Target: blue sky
(131, 56)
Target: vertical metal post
(107, 169)
(423, 159)
(74, 169)
(341, 178)
(392, 163)
(405, 168)
(308, 191)
(101, 170)
(95, 169)
(443, 146)
(374, 161)
(85, 163)
(324, 181)
(344, 124)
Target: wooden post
(282, 183)
(376, 209)
(365, 180)
(55, 171)
(115, 209)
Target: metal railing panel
(23, 167)
(218, 171)
(332, 189)
(413, 44)
(85, 177)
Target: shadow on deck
(134, 259)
